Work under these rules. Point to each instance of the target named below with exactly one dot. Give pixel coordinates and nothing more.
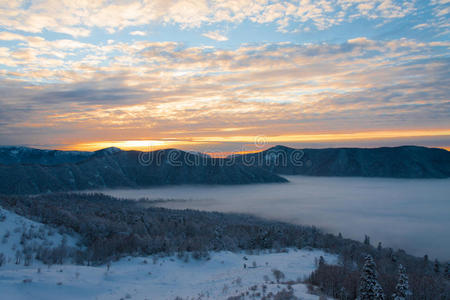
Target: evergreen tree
(369, 288)
(321, 261)
(366, 240)
(437, 266)
(379, 294)
(343, 294)
(402, 287)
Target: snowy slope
(162, 278)
(17, 233)
(153, 277)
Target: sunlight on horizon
(256, 142)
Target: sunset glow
(143, 145)
(215, 76)
(256, 143)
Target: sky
(224, 76)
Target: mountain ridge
(128, 169)
(38, 171)
(395, 162)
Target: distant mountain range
(23, 155)
(33, 171)
(396, 162)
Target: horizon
(217, 154)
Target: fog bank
(412, 214)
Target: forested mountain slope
(33, 171)
(13, 155)
(396, 162)
(130, 169)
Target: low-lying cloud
(401, 213)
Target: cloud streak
(78, 18)
(215, 35)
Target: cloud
(169, 90)
(421, 26)
(140, 33)
(78, 18)
(55, 86)
(9, 36)
(215, 35)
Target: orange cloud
(159, 90)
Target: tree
(342, 294)
(278, 275)
(379, 247)
(366, 240)
(402, 287)
(437, 266)
(369, 288)
(321, 261)
(18, 257)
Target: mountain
(12, 155)
(131, 169)
(396, 162)
(106, 151)
(33, 171)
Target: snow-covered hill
(224, 275)
(23, 239)
(154, 278)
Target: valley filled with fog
(411, 214)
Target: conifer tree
(369, 288)
(402, 287)
(437, 266)
(321, 261)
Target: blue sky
(217, 74)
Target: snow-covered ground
(17, 232)
(220, 277)
(154, 277)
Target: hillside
(153, 252)
(129, 169)
(221, 277)
(395, 162)
(37, 261)
(30, 268)
(34, 171)
(12, 155)
(24, 240)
